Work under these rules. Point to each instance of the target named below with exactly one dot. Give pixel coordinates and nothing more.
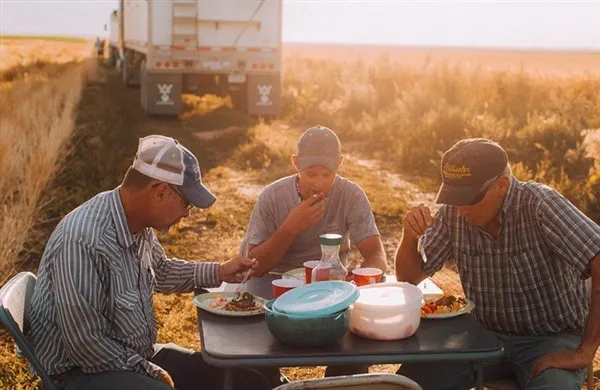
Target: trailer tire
(112, 59)
(125, 71)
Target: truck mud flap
(161, 93)
(264, 92)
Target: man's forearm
(591, 335)
(269, 253)
(376, 260)
(409, 265)
(373, 253)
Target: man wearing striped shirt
(92, 319)
(523, 253)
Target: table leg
(228, 379)
(479, 377)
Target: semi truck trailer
(228, 47)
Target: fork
(241, 289)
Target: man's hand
(306, 214)
(350, 276)
(417, 221)
(569, 360)
(164, 377)
(232, 271)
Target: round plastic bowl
(387, 311)
(306, 331)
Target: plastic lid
(330, 239)
(389, 296)
(317, 298)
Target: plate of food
(447, 306)
(230, 304)
(296, 273)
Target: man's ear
(160, 191)
(295, 162)
(503, 184)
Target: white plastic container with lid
(387, 311)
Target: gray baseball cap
(319, 145)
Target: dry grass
(37, 117)
(548, 63)
(36, 54)
(236, 166)
(40, 86)
(407, 113)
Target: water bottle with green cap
(330, 267)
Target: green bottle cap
(330, 239)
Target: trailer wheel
(112, 58)
(125, 71)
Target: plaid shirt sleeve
(569, 232)
(435, 245)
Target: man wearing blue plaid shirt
(523, 253)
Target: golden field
(536, 62)
(395, 110)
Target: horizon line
(328, 43)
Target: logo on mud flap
(165, 94)
(264, 91)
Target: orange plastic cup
(308, 267)
(283, 285)
(365, 276)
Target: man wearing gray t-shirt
(292, 212)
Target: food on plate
(243, 302)
(445, 304)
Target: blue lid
(317, 298)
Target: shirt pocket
(129, 316)
(529, 274)
(471, 267)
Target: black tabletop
(246, 341)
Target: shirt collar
(297, 186)
(124, 236)
(509, 198)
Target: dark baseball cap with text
(467, 169)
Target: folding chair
(355, 382)
(15, 297)
(511, 383)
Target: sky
(476, 23)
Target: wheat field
(59, 121)
(535, 62)
(40, 86)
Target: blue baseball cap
(165, 159)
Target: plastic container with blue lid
(317, 299)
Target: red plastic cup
(308, 267)
(322, 274)
(365, 276)
(283, 285)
